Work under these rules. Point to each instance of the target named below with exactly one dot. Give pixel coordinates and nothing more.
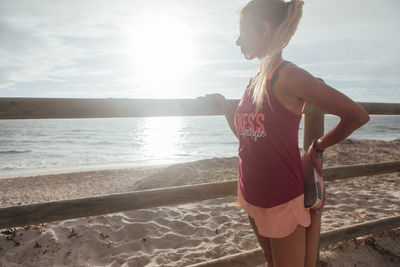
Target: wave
(8, 169)
(391, 129)
(14, 151)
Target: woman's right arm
(227, 108)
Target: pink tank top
(269, 156)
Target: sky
(186, 48)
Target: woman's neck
(276, 59)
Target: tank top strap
(303, 109)
(275, 68)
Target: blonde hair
(284, 18)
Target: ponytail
(279, 39)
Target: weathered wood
(381, 108)
(255, 256)
(247, 258)
(313, 128)
(378, 108)
(82, 207)
(313, 125)
(359, 170)
(75, 208)
(42, 108)
(360, 229)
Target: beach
(191, 233)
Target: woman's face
(250, 39)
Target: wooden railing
(31, 108)
(59, 108)
(98, 205)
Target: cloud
(29, 55)
(342, 19)
(349, 60)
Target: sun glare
(161, 51)
(161, 137)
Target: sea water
(51, 145)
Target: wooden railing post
(313, 125)
(313, 128)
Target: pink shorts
(278, 221)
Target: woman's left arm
(352, 116)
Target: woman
(266, 122)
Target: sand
(187, 234)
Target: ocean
(59, 145)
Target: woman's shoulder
(293, 75)
(291, 68)
(297, 84)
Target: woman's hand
(218, 98)
(316, 159)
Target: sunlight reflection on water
(161, 136)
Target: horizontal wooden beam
(252, 257)
(359, 170)
(360, 229)
(256, 257)
(376, 108)
(42, 108)
(83, 207)
(381, 108)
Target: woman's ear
(267, 30)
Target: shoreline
(139, 165)
(23, 173)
